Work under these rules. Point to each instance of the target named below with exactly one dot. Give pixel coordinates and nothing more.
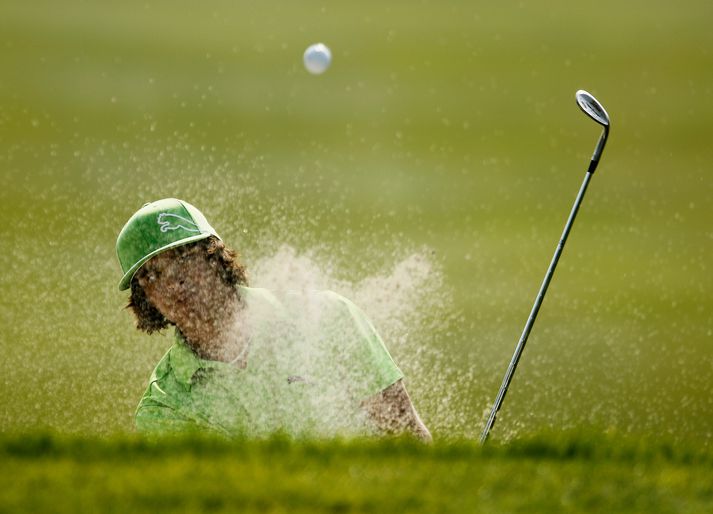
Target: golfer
(248, 361)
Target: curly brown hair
(232, 272)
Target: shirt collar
(184, 362)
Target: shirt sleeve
(160, 419)
(366, 362)
(163, 420)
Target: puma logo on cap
(170, 221)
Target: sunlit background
(427, 174)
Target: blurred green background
(448, 129)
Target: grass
(544, 473)
(443, 128)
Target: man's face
(185, 287)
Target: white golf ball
(317, 58)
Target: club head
(592, 107)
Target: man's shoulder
(165, 384)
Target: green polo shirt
(313, 357)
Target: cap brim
(125, 281)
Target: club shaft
(535, 309)
(598, 151)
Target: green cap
(156, 227)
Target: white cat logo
(169, 221)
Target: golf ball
(317, 58)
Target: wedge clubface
(594, 110)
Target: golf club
(594, 110)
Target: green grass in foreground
(544, 473)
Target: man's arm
(392, 412)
